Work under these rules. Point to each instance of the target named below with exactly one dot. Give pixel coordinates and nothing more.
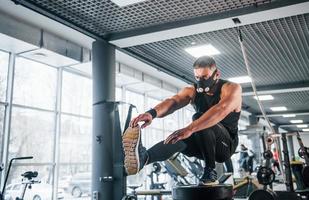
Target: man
(243, 158)
(212, 135)
(276, 161)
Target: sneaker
(135, 155)
(209, 177)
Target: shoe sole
(210, 183)
(130, 142)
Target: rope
(243, 49)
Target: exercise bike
(2, 193)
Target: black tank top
(203, 102)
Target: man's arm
(166, 107)
(230, 101)
(175, 102)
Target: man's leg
(215, 145)
(161, 152)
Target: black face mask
(205, 85)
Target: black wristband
(152, 112)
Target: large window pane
(171, 122)
(188, 113)
(135, 99)
(76, 94)
(153, 136)
(34, 84)
(75, 156)
(32, 134)
(4, 62)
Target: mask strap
(213, 74)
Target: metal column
(103, 73)
(291, 147)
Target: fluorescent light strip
(122, 3)
(306, 130)
(204, 50)
(264, 97)
(279, 108)
(240, 79)
(296, 121)
(302, 126)
(289, 115)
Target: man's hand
(145, 117)
(178, 135)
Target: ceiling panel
(294, 101)
(103, 17)
(278, 51)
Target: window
(4, 62)
(75, 156)
(75, 140)
(34, 84)
(32, 134)
(171, 122)
(76, 94)
(188, 113)
(135, 99)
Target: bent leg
(161, 152)
(214, 144)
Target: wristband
(152, 112)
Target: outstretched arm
(166, 107)
(174, 103)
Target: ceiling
(277, 45)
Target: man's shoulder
(230, 85)
(187, 91)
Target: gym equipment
(244, 187)
(265, 175)
(215, 192)
(156, 169)
(297, 168)
(268, 154)
(135, 193)
(303, 151)
(8, 172)
(262, 194)
(290, 194)
(27, 181)
(176, 170)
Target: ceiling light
(122, 3)
(302, 126)
(306, 130)
(240, 79)
(204, 50)
(296, 121)
(264, 97)
(289, 115)
(280, 108)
